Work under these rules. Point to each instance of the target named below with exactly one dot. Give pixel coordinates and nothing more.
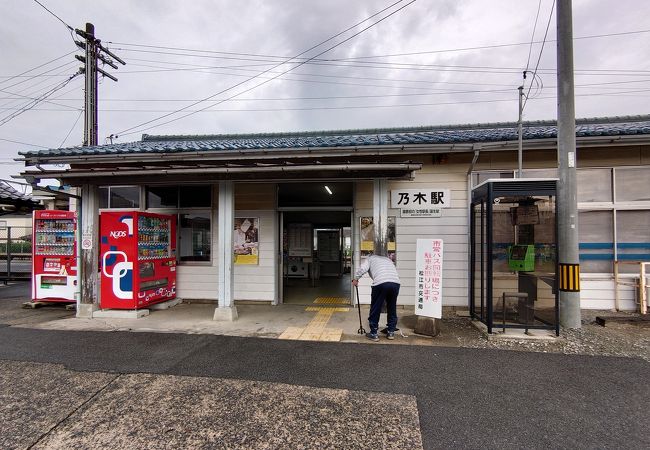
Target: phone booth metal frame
(513, 254)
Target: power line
(372, 64)
(605, 85)
(33, 95)
(11, 77)
(35, 76)
(22, 143)
(548, 24)
(57, 17)
(129, 130)
(368, 107)
(207, 69)
(451, 50)
(37, 101)
(71, 128)
(402, 66)
(532, 37)
(339, 97)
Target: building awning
(203, 173)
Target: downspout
(477, 150)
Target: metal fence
(15, 253)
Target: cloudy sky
(433, 62)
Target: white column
(380, 215)
(226, 309)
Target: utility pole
(520, 133)
(568, 255)
(89, 213)
(94, 51)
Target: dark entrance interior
(316, 242)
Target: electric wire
(130, 130)
(23, 74)
(605, 85)
(22, 143)
(207, 69)
(541, 51)
(368, 106)
(33, 95)
(390, 65)
(35, 76)
(57, 17)
(452, 50)
(71, 128)
(532, 37)
(33, 103)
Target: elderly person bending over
(385, 288)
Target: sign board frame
(428, 278)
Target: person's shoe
(390, 335)
(373, 337)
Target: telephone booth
(513, 257)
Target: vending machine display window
(54, 265)
(138, 259)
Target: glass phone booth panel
(514, 254)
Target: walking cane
(361, 330)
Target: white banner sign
(428, 278)
(420, 198)
(421, 212)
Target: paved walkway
(330, 395)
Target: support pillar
(380, 215)
(226, 309)
(87, 267)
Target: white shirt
(380, 268)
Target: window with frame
(192, 204)
(193, 196)
(632, 238)
(194, 236)
(632, 184)
(119, 197)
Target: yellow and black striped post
(569, 277)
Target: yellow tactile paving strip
(319, 308)
(316, 329)
(332, 301)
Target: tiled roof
(453, 134)
(9, 193)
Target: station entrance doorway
(316, 243)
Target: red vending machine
(137, 258)
(54, 251)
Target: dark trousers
(385, 292)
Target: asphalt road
(14, 294)
(466, 398)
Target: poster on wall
(246, 240)
(367, 234)
(300, 239)
(428, 278)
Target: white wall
(258, 282)
(451, 228)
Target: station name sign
(427, 202)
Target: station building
(312, 205)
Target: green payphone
(521, 258)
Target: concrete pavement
(145, 411)
(465, 398)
